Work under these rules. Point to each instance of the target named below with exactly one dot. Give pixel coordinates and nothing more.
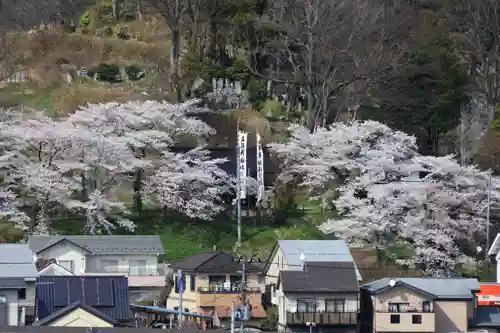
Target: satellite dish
(479, 249)
(392, 283)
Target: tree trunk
(140, 15)
(311, 117)
(116, 9)
(174, 60)
(137, 205)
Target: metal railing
(414, 307)
(226, 289)
(138, 271)
(329, 318)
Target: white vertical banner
(242, 163)
(260, 170)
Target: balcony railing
(325, 318)
(141, 271)
(227, 290)
(417, 307)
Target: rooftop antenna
(302, 258)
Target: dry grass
(48, 47)
(68, 97)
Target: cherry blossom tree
(189, 182)
(389, 193)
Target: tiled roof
(104, 244)
(212, 262)
(321, 277)
(315, 250)
(224, 311)
(107, 294)
(20, 265)
(69, 329)
(76, 305)
(444, 288)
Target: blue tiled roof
(107, 294)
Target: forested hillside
(335, 88)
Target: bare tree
(476, 26)
(173, 12)
(328, 48)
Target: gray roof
(315, 250)
(444, 288)
(16, 261)
(12, 283)
(102, 244)
(313, 279)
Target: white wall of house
(18, 308)
(277, 264)
(79, 261)
(66, 253)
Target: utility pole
(487, 258)
(243, 292)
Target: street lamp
(310, 325)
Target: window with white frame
(138, 268)
(109, 266)
(68, 265)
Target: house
(66, 329)
(17, 285)
(289, 255)
(212, 283)
(440, 305)
(89, 301)
(489, 294)
(494, 250)
(323, 293)
(133, 256)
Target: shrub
(62, 61)
(257, 91)
(85, 19)
(123, 34)
(134, 72)
(107, 72)
(97, 16)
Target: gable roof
(68, 309)
(107, 294)
(212, 262)
(53, 269)
(320, 276)
(495, 246)
(439, 288)
(16, 261)
(314, 250)
(102, 244)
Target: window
(335, 305)
(426, 306)
(192, 282)
(395, 319)
(216, 282)
(398, 307)
(416, 319)
(138, 268)
(68, 265)
(21, 293)
(306, 305)
(109, 266)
